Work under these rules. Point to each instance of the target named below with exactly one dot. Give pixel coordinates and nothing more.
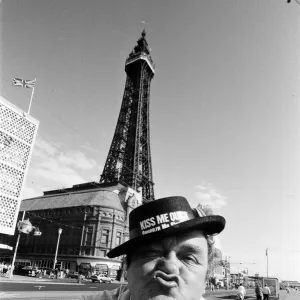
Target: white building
(17, 136)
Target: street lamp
(55, 257)
(26, 227)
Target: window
(54, 237)
(104, 236)
(89, 236)
(102, 253)
(87, 251)
(118, 238)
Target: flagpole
(32, 92)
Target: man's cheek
(145, 267)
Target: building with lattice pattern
(17, 136)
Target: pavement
(45, 278)
(74, 295)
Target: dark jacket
(258, 290)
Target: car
(72, 275)
(101, 278)
(29, 271)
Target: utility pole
(57, 245)
(267, 262)
(16, 248)
(25, 227)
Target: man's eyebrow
(192, 248)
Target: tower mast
(129, 157)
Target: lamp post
(57, 245)
(25, 227)
(123, 265)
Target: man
(258, 292)
(266, 292)
(241, 292)
(168, 252)
(55, 273)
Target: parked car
(72, 275)
(18, 270)
(29, 271)
(101, 278)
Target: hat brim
(210, 225)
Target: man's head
(173, 267)
(210, 253)
(169, 250)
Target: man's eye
(190, 259)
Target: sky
(224, 108)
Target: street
(26, 288)
(46, 286)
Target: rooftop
(99, 195)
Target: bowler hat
(165, 217)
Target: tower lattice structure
(129, 157)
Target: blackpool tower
(129, 157)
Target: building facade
(17, 137)
(93, 218)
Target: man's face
(171, 268)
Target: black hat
(164, 217)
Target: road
(30, 288)
(55, 286)
(45, 290)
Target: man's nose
(169, 264)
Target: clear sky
(224, 106)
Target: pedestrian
(55, 273)
(79, 277)
(266, 292)
(258, 292)
(168, 254)
(241, 292)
